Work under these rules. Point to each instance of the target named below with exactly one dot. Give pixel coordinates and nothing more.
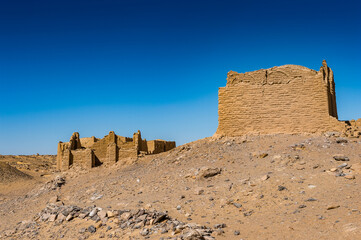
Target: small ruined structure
(285, 99)
(91, 152)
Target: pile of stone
(343, 170)
(146, 221)
(54, 184)
(23, 230)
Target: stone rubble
(146, 221)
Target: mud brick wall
(83, 158)
(124, 153)
(91, 152)
(158, 146)
(286, 99)
(112, 154)
(100, 147)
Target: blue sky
(95, 66)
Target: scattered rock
(340, 174)
(110, 214)
(248, 213)
(199, 191)
(98, 225)
(144, 232)
(56, 183)
(52, 218)
(265, 177)
(330, 207)
(343, 165)
(96, 196)
(93, 212)
(102, 214)
(222, 225)
(263, 155)
(192, 235)
(219, 231)
(53, 199)
(341, 140)
(69, 217)
(237, 205)
(340, 157)
(91, 229)
(350, 176)
(136, 219)
(206, 172)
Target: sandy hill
(264, 187)
(10, 174)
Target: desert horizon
(180, 120)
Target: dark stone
(341, 140)
(237, 205)
(91, 229)
(341, 158)
(223, 225)
(161, 218)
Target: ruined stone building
(91, 152)
(285, 99)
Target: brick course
(285, 99)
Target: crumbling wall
(285, 99)
(158, 146)
(83, 158)
(126, 153)
(100, 147)
(90, 152)
(88, 142)
(66, 160)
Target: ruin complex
(91, 152)
(285, 99)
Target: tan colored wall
(90, 152)
(121, 139)
(126, 153)
(83, 158)
(60, 154)
(66, 160)
(87, 142)
(169, 145)
(158, 146)
(286, 99)
(100, 147)
(112, 154)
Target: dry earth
(260, 187)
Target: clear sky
(98, 65)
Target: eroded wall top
(91, 151)
(284, 99)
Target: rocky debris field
(255, 187)
(105, 223)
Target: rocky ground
(34, 165)
(259, 187)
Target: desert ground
(252, 187)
